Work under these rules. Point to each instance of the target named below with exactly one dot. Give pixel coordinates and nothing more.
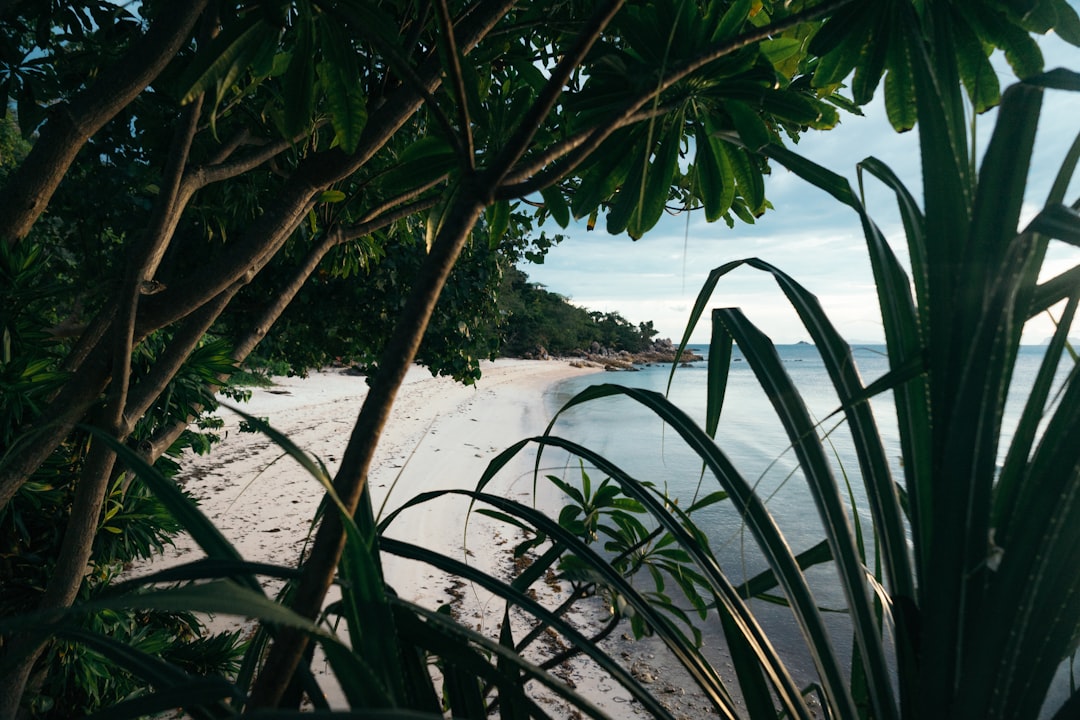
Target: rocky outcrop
(662, 352)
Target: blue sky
(809, 235)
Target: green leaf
(556, 205)
(749, 124)
(498, 218)
(750, 184)
(221, 62)
(299, 80)
(340, 78)
(661, 174)
(779, 49)
(1068, 22)
(609, 168)
(626, 202)
(331, 196)
(848, 34)
(1058, 78)
(900, 84)
(733, 20)
(976, 72)
(423, 162)
(871, 64)
(716, 183)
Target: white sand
(441, 435)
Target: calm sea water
(753, 438)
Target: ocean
(753, 438)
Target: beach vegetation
(193, 167)
(534, 318)
(970, 539)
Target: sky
(809, 235)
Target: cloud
(810, 235)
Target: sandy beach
(442, 435)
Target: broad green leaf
(556, 205)
(848, 32)
(1058, 78)
(900, 85)
(1021, 50)
(749, 124)
(1068, 22)
(224, 57)
(750, 184)
(498, 219)
(340, 78)
(423, 162)
(797, 108)
(871, 64)
(661, 174)
(608, 170)
(627, 201)
(980, 79)
(716, 183)
(779, 49)
(732, 21)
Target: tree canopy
(197, 172)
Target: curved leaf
(340, 78)
(299, 80)
(716, 183)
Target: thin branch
(170, 203)
(412, 78)
(519, 143)
(527, 179)
(31, 186)
(194, 328)
(228, 148)
(582, 148)
(351, 478)
(457, 79)
(351, 232)
(269, 233)
(144, 396)
(210, 173)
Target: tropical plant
(973, 610)
(280, 132)
(192, 148)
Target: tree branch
(351, 478)
(457, 79)
(31, 186)
(183, 343)
(553, 88)
(524, 180)
(351, 232)
(211, 173)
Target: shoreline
(441, 435)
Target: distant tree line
(537, 318)
(489, 309)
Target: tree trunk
(318, 574)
